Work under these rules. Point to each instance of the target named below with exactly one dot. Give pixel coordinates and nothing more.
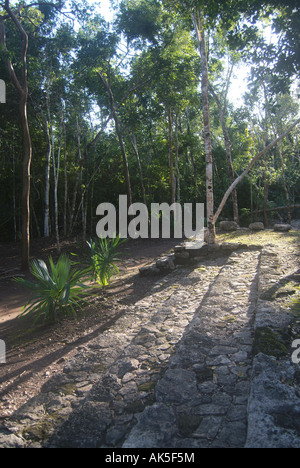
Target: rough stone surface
(274, 400)
(177, 370)
(155, 428)
(257, 226)
(282, 227)
(274, 407)
(8, 440)
(228, 226)
(150, 270)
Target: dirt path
(36, 354)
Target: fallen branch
(279, 208)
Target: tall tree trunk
(228, 153)
(85, 194)
(200, 31)
(136, 151)
(120, 137)
(265, 203)
(124, 157)
(192, 159)
(47, 185)
(265, 177)
(177, 161)
(22, 89)
(258, 199)
(48, 163)
(285, 186)
(171, 157)
(78, 172)
(56, 166)
(65, 182)
(25, 201)
(251, 201)
(14, 186)
(32, 210)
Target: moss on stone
(147, 386)
(279, 291)
(270, 342)
(39, 432)
(68, 389)
(229, 319)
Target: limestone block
(151, 270)
(257, 226)
(282, 227)
(228, 226)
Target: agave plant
(101, 257)
(54, 290)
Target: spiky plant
(101, 258)
(55, 290)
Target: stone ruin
(185, 254)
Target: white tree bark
(200, 32)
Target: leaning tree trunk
(246, 171)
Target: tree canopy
(143, 106)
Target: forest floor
(116, 320)
(34, 354)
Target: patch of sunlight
(245, 236)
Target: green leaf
(55, 291)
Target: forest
(112, 109)
(143, 106)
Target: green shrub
(101, 257)
(55, 290)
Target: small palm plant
(55, 290)
(101, 257)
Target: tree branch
(10, 67)
(254, 160)
(22, 88)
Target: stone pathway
(175, 372)
(205, 388)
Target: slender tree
(198, 21)
(21, 86)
